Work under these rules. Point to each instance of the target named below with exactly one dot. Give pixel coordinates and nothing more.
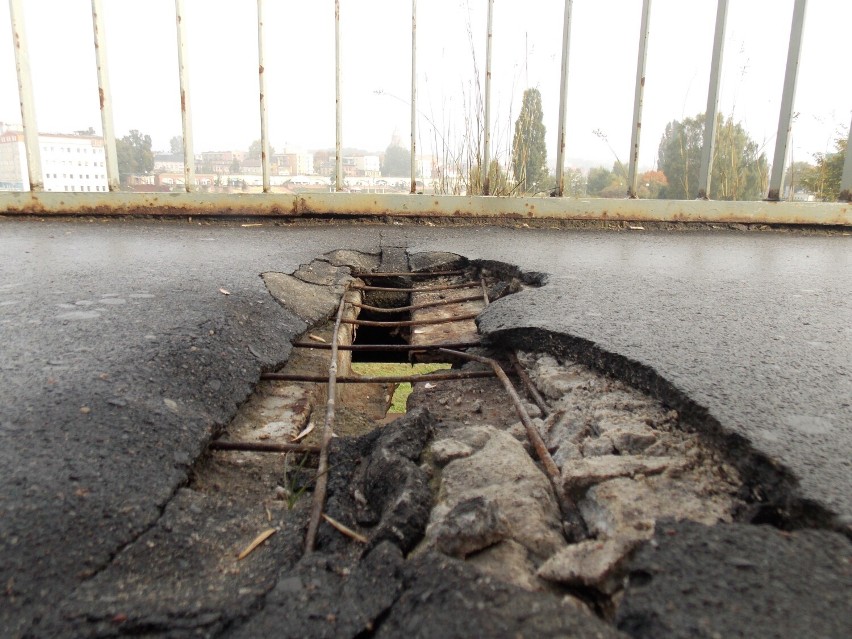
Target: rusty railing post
(710, 114)
(25, 95)
(413, 96)
(785, 118)
(264, 131)
(846, 178)
(338, 115)
(484, 170)
(104, 96)
(185, 113)
(633, 172)
(563, 101)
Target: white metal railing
(39, 201)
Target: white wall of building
(71, 163)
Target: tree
(529, 150)
(824, 180)
(254, 150)
(574, 183)
(176, 145)
(740, 169)
(235, 165)
(134, 155)
(651, 183)
(604, 182)
(397, 161)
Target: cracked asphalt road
(120, 355)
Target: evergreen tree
(529, 151)
(134, 155)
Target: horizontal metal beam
(401, 206)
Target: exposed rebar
(408, 274)
(423, 322)
(385, 379)
(528, 384)
(574, 527)
(387, 347)
(327, 433)
(418, 307)
(264, 447)
(391, 289)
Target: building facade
(71, 163)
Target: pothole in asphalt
(471, 509)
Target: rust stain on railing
(403, 205)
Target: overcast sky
(222, 40)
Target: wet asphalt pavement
(124, 345)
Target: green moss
(400, 397)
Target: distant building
(69, 162)
(294, 163)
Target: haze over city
(222, 41)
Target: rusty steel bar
(484, 292)
(417, 307)
(429, 289)
(846, 178)
(264, 123)
(408, 274)
(413, 96)
(707, 152)
(327, 433)
(785, 117)
(386, 347)
(25, 96)
(185, 113)
(563, 100)
(263, 447)
(349, 205)
(638, 99)
(532, 391)
(423, 322)
(338, 110)
(574, 527)
(387, 379)
(484, 169)
(104, 95)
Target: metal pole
(785, 118)
(846, 179)
(338, 146)
(483, 170)
(264, 134)
(25, 94)
(413, 96)
(186, 115)
(104, 95)
(712, 102)
(563, 101)
(633, 173)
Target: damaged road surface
(593, 499)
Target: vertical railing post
(710, 115)
(563, 101)
(414, 96)
(486, 159)
(186, 114)
(264, 134)
(104, 96)
(633, 172)
(25, 94)
(338, 114)
(785, 118)
(846, 178)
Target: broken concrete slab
(582, 473)
(312, 303)
(435, 261)
(358, 261)
(592, 563)
(738, 580)
(322, 273)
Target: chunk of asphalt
(310, 302)
(361, 262)
(322, 598)
(322, 273)
(431, 261)
(446, 598)
(377, 486)
(737, 580)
